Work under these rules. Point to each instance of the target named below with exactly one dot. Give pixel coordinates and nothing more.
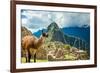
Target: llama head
(44, 34)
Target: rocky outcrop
(41, 54)
(25, 31)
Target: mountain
(81, 32)
(75, 36)
(38, 33)
(57, 34)
(25, 31)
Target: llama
(31, 42)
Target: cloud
(37, 20)
(71, 19)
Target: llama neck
(40, 41)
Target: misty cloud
(41, 19)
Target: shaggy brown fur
(30, 41)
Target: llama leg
(34, 57)
(29, 56)
(26, 56)
(26, 59)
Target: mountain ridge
(57, 34)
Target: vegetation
(57, 51)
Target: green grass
(70, 57)
(23, 60)
(39, 60)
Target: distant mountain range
(82, 33)
(75, 36)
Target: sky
(37, 20)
